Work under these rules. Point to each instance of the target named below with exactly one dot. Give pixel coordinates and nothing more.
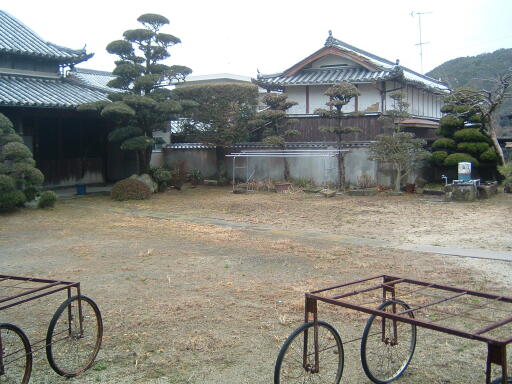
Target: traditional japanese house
(40, 97)
(375, 77)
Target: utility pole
(421, 43)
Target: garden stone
(211, 182)
(146, 179)
(463, 192)
(488, 190)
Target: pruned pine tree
(19, 178)
(144, 103)
(339, 95)
(272, 125)
(402, 150)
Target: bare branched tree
(486, 103)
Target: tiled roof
(27, 91)
(16, 38)
(327, 76)
(94, 79)
(385, 70)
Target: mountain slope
(476, 72)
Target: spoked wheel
(71, 344)
(15, 355)
(296, 360)
(387, 346)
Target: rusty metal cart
(74, 334)
(397, 307)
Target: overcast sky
(239, 37)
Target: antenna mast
(421, 43)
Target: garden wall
(320, 170)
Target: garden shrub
(6, 183)
(15, 150)
(30, 193)
(443, 143)
(469, 134)
(162, 177)
(449, 124)
(130, 189)
(489, 155)
(472, 147)
(47, 200)
(196, 177)
(12, 199)
(455, 158)
(438, 157)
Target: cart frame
(496, 348)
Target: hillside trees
(339, 95)
(143, 104)
(19, 179)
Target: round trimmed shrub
(12, 199)
(16, 151)
(469, 134)
(6, 183)
(489, 155)
(455, 158)
(438, 157)
(47, 200)
(445, 142)
(473, 148)
(449, 124)
(130, 189)
(30, 193)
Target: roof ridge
(17, 38)
(92, 71)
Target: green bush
(30, 193)
(15, 150)
(196, 177)
(438, 157)
(449, 124)
(443, 143)
(12, 199)
(162, 177)
(455, 158)
(47, 200)
(489, 155)
(469, 134)
(473, 148)
(6, 183)
(130, 189)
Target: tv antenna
(421, 43)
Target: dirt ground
(204, 286)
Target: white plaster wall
(317, 98)
(369, 96)
(332, 60)
(297, 94)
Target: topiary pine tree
(400, 149)
(143, 104)
(339, 95)
(462, 128)
(272, 124)
(19, 178)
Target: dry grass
(187, 301)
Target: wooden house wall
(370, 126)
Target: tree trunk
(398, 180)
(341, 172)
(144, 159)
(491, 133)
(220, 158)
(286, 169)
